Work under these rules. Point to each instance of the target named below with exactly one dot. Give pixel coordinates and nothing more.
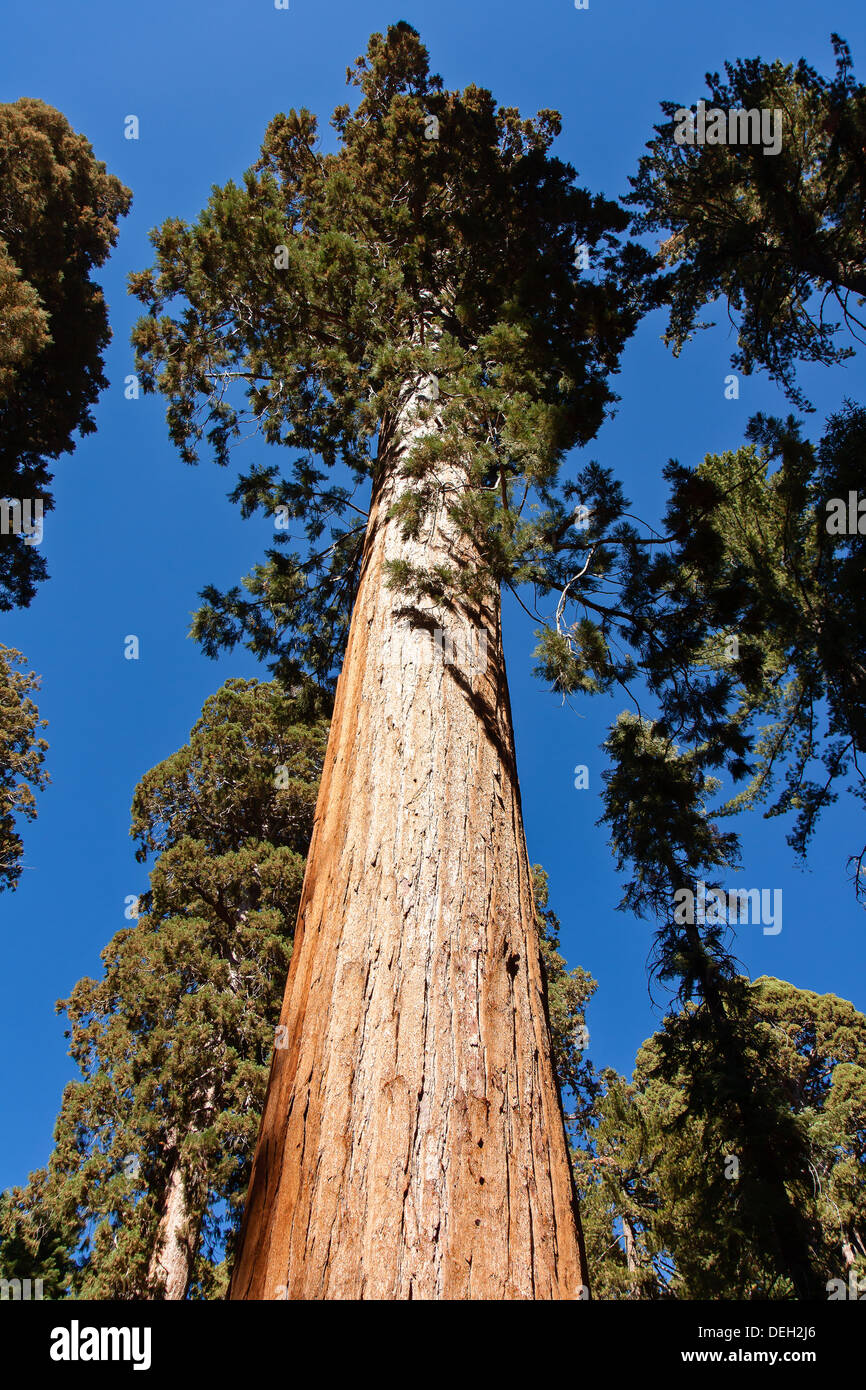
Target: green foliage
(22, 753)
(745, 623)
(58, 221)
(34, 1244)
(615, 1172)
(768, 233)
(655, 804)
(674, 1203)
(312, 302)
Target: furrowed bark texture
(412, 1143)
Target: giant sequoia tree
(411, 309)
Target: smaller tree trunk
(177, 1238)
(171, 1261)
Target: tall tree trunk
(412, 1143)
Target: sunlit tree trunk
(177, 1236)
(412, 1143)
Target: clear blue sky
(136, 534)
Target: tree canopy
(307, 302)
(776, 236)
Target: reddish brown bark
(412, 1143)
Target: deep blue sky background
(136, 534)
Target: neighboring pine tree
(780, 237)
(437, 307)
(744, 621)
(153, 1147)
(615, 1170)
(58, 221)
(736, 625)
(672, 1208)
(656, 806)
(819, 1047)
(35, 1243)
